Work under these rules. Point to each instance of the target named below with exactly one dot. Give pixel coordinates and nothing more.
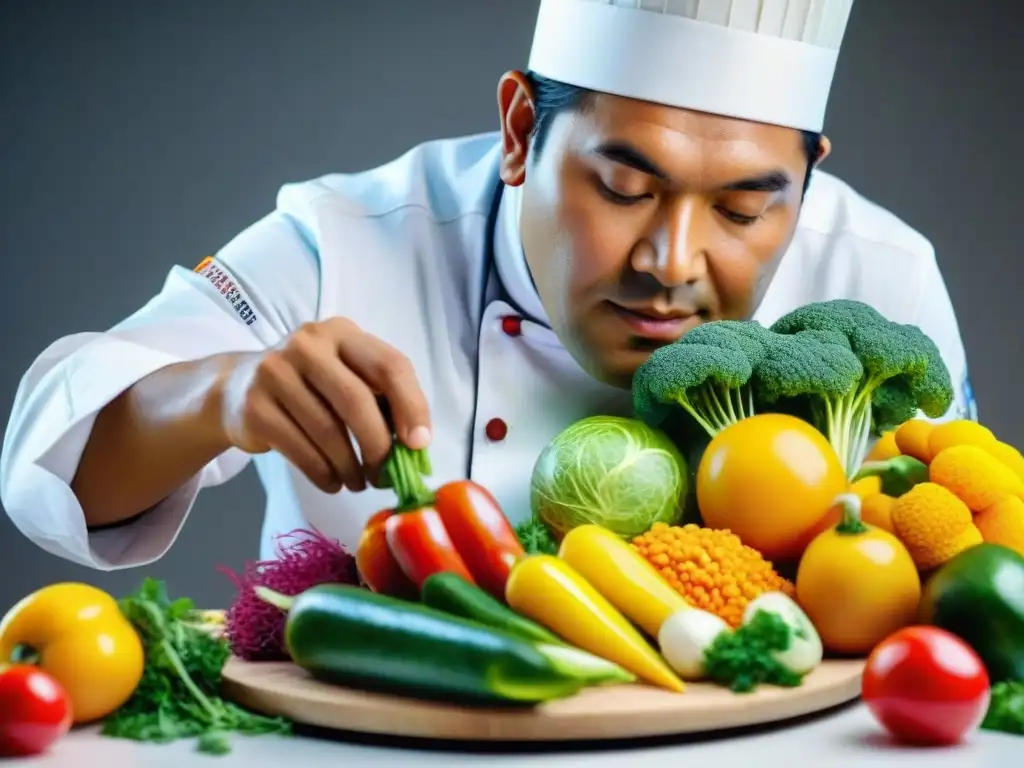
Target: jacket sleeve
(937, 318)
(252, 293)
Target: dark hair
(551, 97)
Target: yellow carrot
(1009, 455)
(959, 432)
(885, 448)
(1003, 523)
(627, 580)
(934, 524)
(549, 591)
(974, 475)
(912, 438)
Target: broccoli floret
(903, 372)
(816, 366)
(746, 336)
(892, 404)
(707, 373)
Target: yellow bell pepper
(549, 591)
(78, 635)
(620, 574)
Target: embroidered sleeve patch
(225, 284)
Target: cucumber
(451, 593)
(351, 636)
(978, 595)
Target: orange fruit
(770, 479)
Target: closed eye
(617, 197)
(737, 218)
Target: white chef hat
(768, 61)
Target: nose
(677, 252)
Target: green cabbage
(615, 472)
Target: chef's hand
(303, 397)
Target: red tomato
(35, 711)
(926, 686)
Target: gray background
(136, 135)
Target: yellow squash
(549, 591)
(78, 634)
(625, 578)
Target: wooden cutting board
(618, 712)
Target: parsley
(536, 538)
(177, 697)
(744, 659)
(1006, 708)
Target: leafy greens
(178, 697)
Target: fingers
(354, 402)
(391, 373)
(276, 427)
(318, 422)
(328, 378)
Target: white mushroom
(685, 636)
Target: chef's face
(640, 221)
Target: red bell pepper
(375, 563)
(459, 528)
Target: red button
(496, 430)
(512, 325)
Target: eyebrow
(624, 154)
(773, 181)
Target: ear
(515, 107)
(824, 150)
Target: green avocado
(978, 595)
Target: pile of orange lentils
(712, 569)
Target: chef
(654, 168)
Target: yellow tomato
(769, 479)
(77, 634)
(857, 583)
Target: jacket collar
(510, 259)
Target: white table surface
(847, 737)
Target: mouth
(662, 325)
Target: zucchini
(351, 636)
(451, 593)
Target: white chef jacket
(404, 250)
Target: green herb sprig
(744, 659)
(1006, 708)
(178, 695)
(536, 537)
